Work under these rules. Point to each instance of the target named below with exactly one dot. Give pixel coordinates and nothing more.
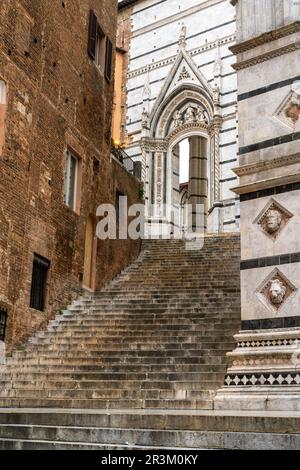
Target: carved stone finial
(216, 92)
(218, 63)
(182, 37)
(145, 118)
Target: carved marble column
(264, 372)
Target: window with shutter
(108, 60)
(92, 42)
(39, 283)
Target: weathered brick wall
(124, 32)
(56, 97)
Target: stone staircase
(154, 339)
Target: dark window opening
(108, 60)
(39, 283)
(118, 208)
(3, 321)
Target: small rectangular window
(108, 60)
(3, 321)
(100, 49)
(39, 283)
(71, 180)
(2, 92)
(3, 108)
(117, 205)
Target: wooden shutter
(92, 35)
(108, 60)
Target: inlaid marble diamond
(273, 218)
(288, 112)
(275, 291)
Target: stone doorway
(189, 182)
(89, 276)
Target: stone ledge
(266, 37)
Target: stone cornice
(266, 37)
(267, 184)
(170, 60)
(267, 56)
(267, 165)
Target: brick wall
(124, 32)
(56, 97)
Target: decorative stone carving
(288, 112)
(275, 291)
(145, 118)
(189, 115)
(273, 219)
(216, 92)
(200, 115)
(293, 110)
(184, 75)
(177, 119)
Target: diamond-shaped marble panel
(275, 291)
(273, 218)
(288, 112)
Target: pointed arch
(179, 99)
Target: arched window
(2, 113)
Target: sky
(184, 161)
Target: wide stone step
(135, 354)
(122, 368)
(138, 339)
(212, 365)
(106, 394)
(106, 404)
(54, 382)
(24, 437)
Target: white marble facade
(264, 371)
(205, 30)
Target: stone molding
(171, 60)
(268, 343)
(267, 56)
(267, 165)
(267, 184)
(262, 379)
(153, 145)
(266, 37)
(186, 127)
